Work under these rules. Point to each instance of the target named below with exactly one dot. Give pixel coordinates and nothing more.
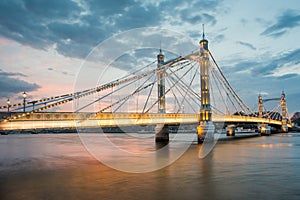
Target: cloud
(219, 38)
(273, 64)
(268, 66)
(195, 18)
(3, 73)
(9, 84)
(241, 66)
(288, 76)
(288, 20)
(246, 44)
(75, 27)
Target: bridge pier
(230, 130)
(161, 133)
(264, 129)
(205, 129)
(284, 128)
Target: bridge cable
(219, 90)
(166, 92)
(184, 84)
(149, 94)
(176, 86)
(231, 89)
(124, 98)
(225, 88)
(189, 88)
(184, 87)
(136, 90)
(175, 97)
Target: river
(58, 166)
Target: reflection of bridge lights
(200, 130)
(230, 132)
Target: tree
(296, 118)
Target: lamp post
(8, 104)
(24, 95)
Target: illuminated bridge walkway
(188, 89)
(73, 120)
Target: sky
(43, 44)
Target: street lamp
(8, 104)
(24, 95)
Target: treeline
(296, 118)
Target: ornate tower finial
(203, 34)
(160, 47)
(203, 42)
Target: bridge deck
(73, 120)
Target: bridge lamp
(24, 95)
(8, 104)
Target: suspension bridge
(189, 89)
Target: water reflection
(60, 168)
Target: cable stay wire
(180, 92)
(102, 97)
(219, 90)
(184, 87)
(166, 92)
(226, 89)
(228, 84)
(275, 108)
(184, 84)
(149, 94)
(124, 98)
(174, 96)
(136, 90)
(188, 89)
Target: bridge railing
(73, 120)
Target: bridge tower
(260, 106)
(264, 129)
(161, 130)
(284, 126)
(161, 73)
(206, 126)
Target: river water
(58, 166)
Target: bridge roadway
(72, 120)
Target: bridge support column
(230, 130)
(260, 106)
(206, 127)
(161, 130)
(161, 133)
(284, 126)
(205, 130)
(264, 129)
